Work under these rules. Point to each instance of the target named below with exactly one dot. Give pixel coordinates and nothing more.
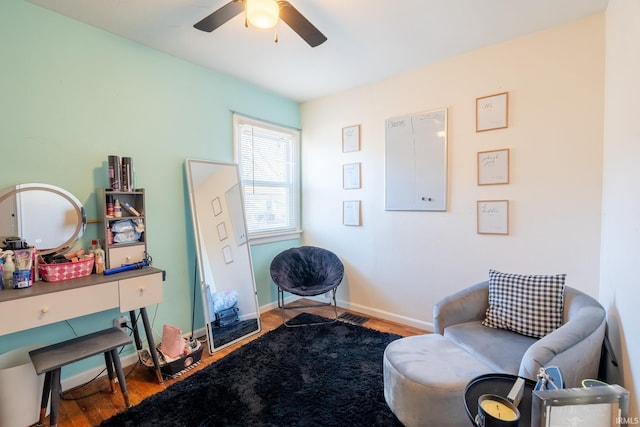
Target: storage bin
(20, 388)
(176, 366)
(65, 271)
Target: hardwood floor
(89, 405)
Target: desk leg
(134, 326)
(152, 346)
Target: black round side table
(499, 384)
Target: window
(267, 156)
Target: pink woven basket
(65, 271)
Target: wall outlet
(121, 322)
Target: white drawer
(126, 255)
(25, 313)
(140, 291)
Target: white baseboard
(86, 376)
(274, 305)
(392, 317)
(380, 314)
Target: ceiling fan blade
(300, 24)
(221, 16)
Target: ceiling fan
(264, 14)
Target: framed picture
(222, 231)
(601, 406)
(351, 176)
(217, 207)
(351, 138)
(226, 253)
(351, 212)
(493, 167)
(492, 112)
(493, 216)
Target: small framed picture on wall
(222, 231)
(217, 207)
(493, 216)
(351, 212)
(493, 167)
(351, 176)
(492, 112)
(351, 138)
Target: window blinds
(267, 159)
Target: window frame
(276, 235)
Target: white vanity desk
(49, 302)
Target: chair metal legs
(332, 301)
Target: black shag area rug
(323, 375)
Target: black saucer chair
(307, 271)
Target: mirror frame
(200, 247)
(75, 203)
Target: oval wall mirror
(227, 283)
(45, 216)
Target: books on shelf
(130, 208)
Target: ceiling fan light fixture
(262, 13)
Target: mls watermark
(627, 421)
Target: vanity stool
(425, 378)
(50, 360)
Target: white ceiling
(368, 40)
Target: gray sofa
(425, 375)
(574, 347)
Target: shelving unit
(119, 253)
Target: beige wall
(619, 288)
(399, 264)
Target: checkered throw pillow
(527, 304)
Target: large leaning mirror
(45, 216)
(229, 298)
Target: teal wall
(71, 94)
